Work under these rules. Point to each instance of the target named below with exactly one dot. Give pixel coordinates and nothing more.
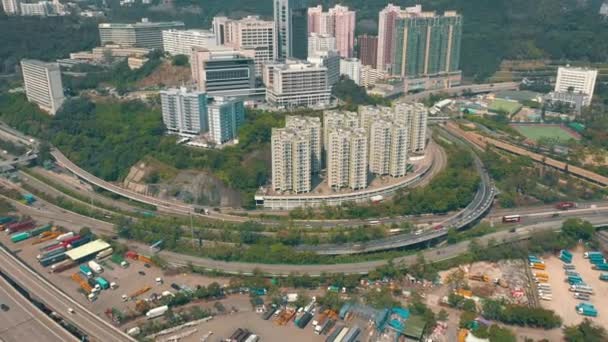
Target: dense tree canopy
(46, 38)
(586, 331)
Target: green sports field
(535, 132)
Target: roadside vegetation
(107, 138)
(522, 182)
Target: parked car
(4, 307)
(142, 273)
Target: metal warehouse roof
(88, 249)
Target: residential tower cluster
(346, 148)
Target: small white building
(351, 67)
(576, 80)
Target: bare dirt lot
(563, 301)
(224, 326)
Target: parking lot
(563, 300)
(129, 280)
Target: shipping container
(42, 229)
(52, 252)
(352, 335)
(266, 316)
(18, 237)
(600, 267)
(335, 333)
(62, 266)
(6, 219)
(53, 259)
(65, 236)
(341, 335)
(303, 321)
(80, 242)
(252, 338)
(19, 226)
(586, 255)
(104, 253)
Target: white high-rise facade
(225, 116)
(184, 111)
(320, 43)
(313, 126)
(351, 67)
(291, 154)
(388, 140)
(181, 42)
(43, 84)
(415, 116)
(347, 158)
(576, 80)
(336, 119)
(11, 7)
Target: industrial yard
(564, 301)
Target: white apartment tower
(291, 153)
(184, 111)
(313, 126)
(414, 115)
(336, 119)
(320, 42)
(576, 80)
(388, 140)
(11, 7)
(225, 116)
(181, 42)
(43, 84)
(351, 67)
(347, 158)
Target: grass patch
(537, 132)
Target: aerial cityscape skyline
(299, 170)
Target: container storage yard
(576, 287)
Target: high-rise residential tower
(426, 44)
(291, 29)
(339, 22)
(184, 111)
(225, 116)
(320, 42)
(334, 119)
(368, 50)
(291, 153)
(313, 126)
(43, 84)
(11, 7)
(347, 158)
(415, 116)
(386, 29)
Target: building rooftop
(142, 24)
(88, 249)
(49, 65)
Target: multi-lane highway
(94, 326)
(25, 322)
